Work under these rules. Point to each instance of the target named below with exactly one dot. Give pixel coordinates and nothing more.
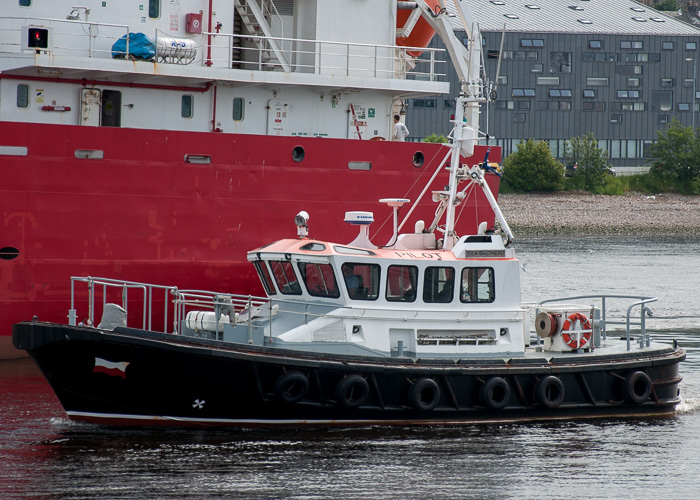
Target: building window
(597, 82)
(504, 105)
(634, 81)
(595, 44)
(154, 9)
(661, 119)
(524, 104)
(588, 93)
(424, 103)
(523, 92)
(22, 96)
(503, 79)
(683, 106)
(661, 100)
(492, 54)
(537, 68)
(186, 106)
(518, 117)
(238, 109)
(560, 62)
(599, 57)
(593, 106)
(628, 106)
(667, 45)
(615, 118)
(628, 44)
(628, 94)
(688, 82)
(547, 80)
(559, 92)
(527, 42)
(628, 70)
(667, 83)
(690, 45)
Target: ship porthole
(352, 391)
(549, 392)
(292, 386)
(418, 159)
(9, 253)
(424, 394)
(495, 393)
(298, 154)
(637, 387)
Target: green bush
(666, 5)
(436, 138)
(532, 168)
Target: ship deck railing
(78, 38)
(601, 320)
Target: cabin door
(90, 103)
(111, 108)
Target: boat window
(22, 96)
(401, 283)
(265, 277)
(111, 108)
(313, 247)
(238, 108)
(284, 276)
(477, 285)
(319, 279)
(187, 106)
(361, 280)
(154, 9)
(439, 284)
(25, 3)
(352, 251)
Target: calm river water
(42, 454)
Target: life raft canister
(422, 33)
(574, 341)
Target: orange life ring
(586, 331)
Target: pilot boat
(426, 329)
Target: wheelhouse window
(477, 285)
(361, 280)
(25, 3)
(265, 277)
(186, 106)
(22, 96)
(438, 285)
(238, 108)
(401, 283)
(154, 9)
(285, 278)
(319, 279)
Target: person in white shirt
(400, 130)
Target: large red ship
(160, 141)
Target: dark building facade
(621, 81)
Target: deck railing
(600, 324)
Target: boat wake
(688, 405)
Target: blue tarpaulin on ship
(140, 47)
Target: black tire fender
(549, 392)
(352, 391)
(424, 394)
(495, 393)
(292, 386)
(637, 387)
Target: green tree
(532, 168)
(435, 138)
(667, 5)
(676, 154)
(592, 161)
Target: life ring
(572, 340)
(352, 391)
(292, 386)
(637, 387)
(424, 394)
(549, 392)
(495, 393)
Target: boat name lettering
(425, 255)
(485, 253)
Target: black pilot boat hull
(140, 378)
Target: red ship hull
(142, 213)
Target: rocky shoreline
(584, 214)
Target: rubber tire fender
(632, 385)
(292, 386)
(420, 388)
(352, 391)
(549, 392)
(495, 393)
